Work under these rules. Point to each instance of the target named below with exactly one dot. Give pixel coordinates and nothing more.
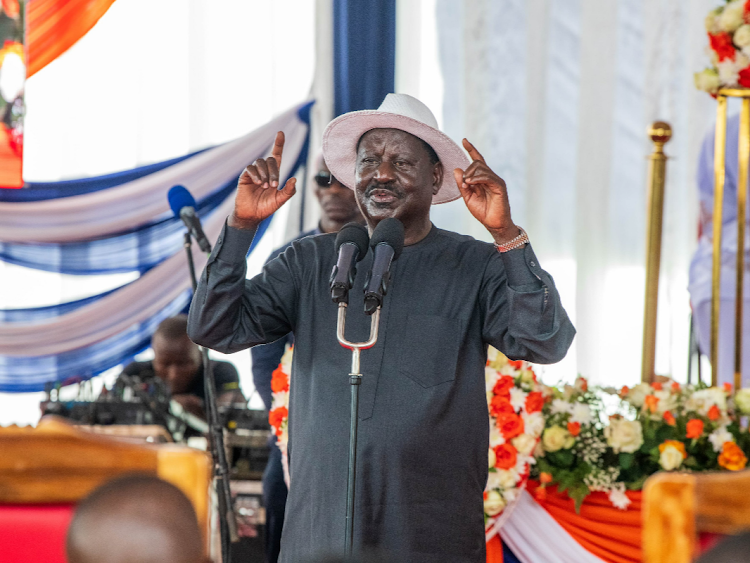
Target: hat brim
(342, 135)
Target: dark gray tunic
(423, 431)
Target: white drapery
(557, 95)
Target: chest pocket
(429, 351)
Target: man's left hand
(486, 196)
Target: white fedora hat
(398, 111)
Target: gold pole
(744, 161)
(719, 148)
(660, 133)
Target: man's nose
(385, 172)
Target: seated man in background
(338, 207)
(135, 519)
(177, 362)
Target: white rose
(719, 437)
(510, 495)
(496, 437)
(742, 36)
(524, 444)
(556, 438)
(581, 413)
(728, 72)
(493, 480)
(670, 458)
(624, 435)
(492, 458)
(539, 449)
(507, 478)
(494, 503)
(533, 423)
(560, 406)
(637, 395)
(742, 400)
(666, 402)
(712, 21)
(733, 16)
(527, 376)
(702, 401)
(490, 378)
(281, 399)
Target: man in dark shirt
(177, 362)
(423, 422)
(337, 208)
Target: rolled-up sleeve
(523, 315)
(230, 313)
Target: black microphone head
(356, 234)
(391, 232)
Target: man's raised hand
(486, 196)
(258, 196)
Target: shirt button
(532, 264)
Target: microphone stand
(227, 522)
(355, 380)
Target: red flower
(714, 413)
(651, 402)
(276, 417)
(506, 456)
(728, 386)
(516, 364)
(747, 11)
(675, 386)
(504, 385)
(722, 45)
(501, 405)
(574, 428)
(624, 391)
(534, 402)
(694, 428)
(669, 418)
(509, 424)
(540, 493)
(279, 381)
(657, 386)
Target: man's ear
(437, 177)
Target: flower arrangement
(728, 28)
(658, 427)
(278, 416)
(515, 400)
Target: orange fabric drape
(608, 532)
(53, 26)
(495, 550)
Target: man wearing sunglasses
(338, 207)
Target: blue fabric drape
(364, 52)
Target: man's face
(176, 361)
(394, 177)
(337, 202)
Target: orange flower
(509, 424)
(540, 493)
(515, 364)
(506, 456)
(11, 8)
(534, 402)
(574, 428)
(503, 386)
(669, 418)
(499, 405)
(276, 417)
(675, 386)
(714, 413)
(728, 387)
(545, 478)
(651, 401)
(624, 391)
(279, 381)
(732, 457)
(676, 444)
(657, 386)
(694, 428)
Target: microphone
(351, 247)
(183, 206)
(387, 243)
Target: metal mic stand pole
(355, 380)
(227, 522)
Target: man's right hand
(258, 196)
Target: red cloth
(34, 533)
(495, 550)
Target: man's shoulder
(452, 238)
(312, 234)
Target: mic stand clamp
(355, 380)
(227, 522)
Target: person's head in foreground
(176, 358)
(338, 206)
(734, 549)
(135, 519)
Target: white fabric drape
(557, 95)
(534, 536)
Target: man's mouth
(381, 195)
